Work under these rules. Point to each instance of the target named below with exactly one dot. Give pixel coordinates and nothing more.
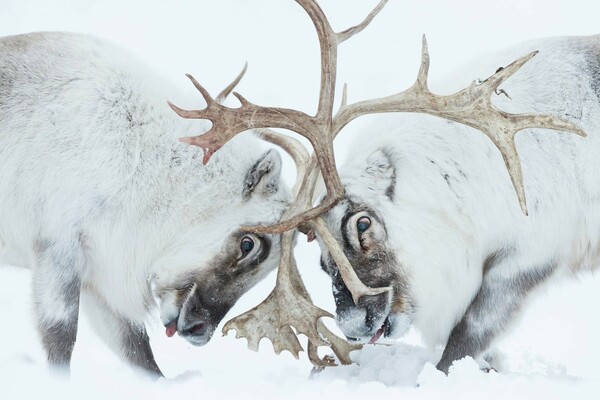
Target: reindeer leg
(127, 339)
(56, 288)
(503, 290)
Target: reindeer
(103, 203)
(428, 211)
(422, 227)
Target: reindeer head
(358, 223)
(289, 304)
(208, 268)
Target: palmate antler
(289, 304)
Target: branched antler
(471, 106)
(289, 306)
(228, 122)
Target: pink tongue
(171, 329)
(376, 337)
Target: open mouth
(196, 333)
(384, 330)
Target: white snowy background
(551, 353)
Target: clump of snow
(397, 364)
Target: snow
(551, 353)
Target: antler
(471, 106)
(228, 122)
(289, 304)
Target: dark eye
(363, 224)
(246, 245)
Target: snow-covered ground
(551, 353)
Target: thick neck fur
(116, 175)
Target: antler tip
(207, 97)
(241, 98)
(191, 78)
(424, 46)
(207, 156)
(521, 197)
(179, 111)
(524, 208)
(531, 55)
(198, 141)
(522, 61)
(423, 74)
(187, 140)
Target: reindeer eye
(363, 224)
(246, 245)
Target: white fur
(442, 233)
(89, 156)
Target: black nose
(196, 328)
(376, 307)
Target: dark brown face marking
(206, 299)
(374, 263)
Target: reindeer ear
(263, 177)
(381, 173)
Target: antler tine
(188, 114)
(423, 75)
(225, 92)
(340, 347)
(348, 33)
(328, 42)
(201, 89)
(344, 101)
(344, 95)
